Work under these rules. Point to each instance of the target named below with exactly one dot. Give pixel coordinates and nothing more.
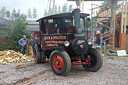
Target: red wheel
(60, 62)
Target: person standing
(99, 38)
(32, 44)
(23, 42)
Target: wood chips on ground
(10, 56)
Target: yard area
(113, 72)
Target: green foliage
(16, 30)
(126, 56)
(107, 5)
(3, 12)
(13, 14)
(18, 11)
(3, 46)
(29, 13)
(34, 12)
(64, 8)
(59, 9)
(88, 24)
(109, 57)
(70, 9)
(45, 12)
(55, 10)
(50, 11)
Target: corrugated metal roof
(31, 19)
(33, 29)
(34, 23)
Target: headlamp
(66, 43)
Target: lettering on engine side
(80, 41)
(51, 41)
(54, 38)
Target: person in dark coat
(32, 44)
(34, 40)
(23, 42)
(99, 38)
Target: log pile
(112, 53)
(10, 56)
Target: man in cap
(99, 38)
(23, 42)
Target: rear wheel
(43, 57)
(39, 56)
(60, 62)
(96, 60)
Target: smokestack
(8, 14)
(76, 13)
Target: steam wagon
(64, 41)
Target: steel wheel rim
(58, 63)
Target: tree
(70, 9)
(107, 5)
(18, 11)
(64, 8)
(88, 24)
(0, 12)
(104, 6)
(29, 13)
(16, 30)
(3, 12)
(45, 12)
(34, 12)
(50, 11)
(55, 10)
(13, 14)
(59, 9)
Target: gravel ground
(113, 72)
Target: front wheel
(96, 60)
(60, 62)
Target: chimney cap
(76, 10)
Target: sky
(40, 5)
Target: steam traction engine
(63, 40)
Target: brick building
(3, 28)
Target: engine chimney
(76, 13)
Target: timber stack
(10, 56)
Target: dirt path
(113, 72)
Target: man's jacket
(23, 42)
